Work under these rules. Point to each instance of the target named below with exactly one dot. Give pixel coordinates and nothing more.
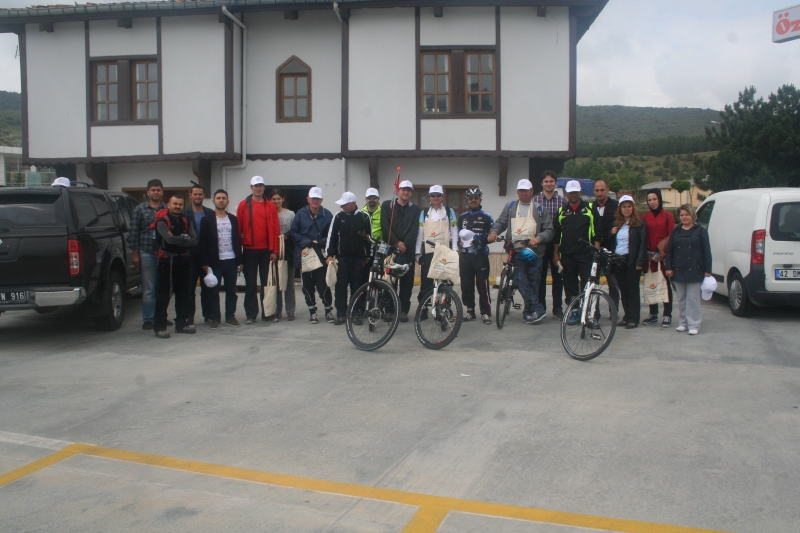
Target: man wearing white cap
(400, 224)
(528, 228)
(310, 230)
(60, 182)
(260, 232)
(576, 225)
(373, 209)
(438, 223)
(347, 245)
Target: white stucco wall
(316, 39)
(455, 134)
(459, 25)
(124, 140)
(382, 79)
(193, 91)
(534, 78)
(135, 175)
(56, 70)
(106, 39)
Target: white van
(755, 246)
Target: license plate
(787, 274)
(16, 297)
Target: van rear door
(782, 243)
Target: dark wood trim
(126, 23)
(201, 168)
(291, 14)
(142, 57)
(418, 81)
(345, 126)
(497, 85)
(438, 11)
(457, 153)
(503, 182)
(541, 11)
(216, 156)
(448, 47)
(372, 164)
(104, 123)
(49, 27)
(89, 91)
(279, 92)
(98, 173)
(459, 116)
(125, 90)
(228, 86)
(573, 69)
(293, 157)
(458, 87)
(160, 89)
(23, 72)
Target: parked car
(755, 246)
(66, 247)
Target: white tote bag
(283, 267)
(523, 229)
(655, 288)
(330, 275)
(270, 301)
(309, 260)
(444, 264)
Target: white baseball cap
(524, 184)
(406, 185)
(346, 198)
(573, 186)
(466, 237)
(708, 287)
(373, 192)
(436, 189)
(60, 182)
(315, 192)
(256, 180)
(626, 198)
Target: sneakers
(469, 315)
(486, 319)
(339, 321)
(667, 322)
(558, 314)
(693, 332)
(250, 321)
(276, 317)
(215, 324)
(631, 325)
(528, 318)
(538, 316)
(403, 317)
(574, 317)
(188, 329)
(170, 322)
(290, 317)
(162, 334)
(314, 319)
(681, 328)
(329, 316)
(652, 319)
(147, 326)
(232, 322)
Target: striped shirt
(551, 204)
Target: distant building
(671, 197)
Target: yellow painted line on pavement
(433, 509)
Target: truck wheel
(114, 303)
(738, 300)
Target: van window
(122, 207)
(784, 224)
(704, 214)
(32, 210)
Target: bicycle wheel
(371, 317)
(586, 341)
(504, 298)
(442, 318)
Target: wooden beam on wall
(47, 26)
(291, 14)
(373, 172)
(202, 169)
(126, 23)
(503, 183)
(438, 11)
(98, 173)
(541, 11)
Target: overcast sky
(661, 53)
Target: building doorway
(295, 195)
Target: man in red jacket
(260, 233)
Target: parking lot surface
(288, 427)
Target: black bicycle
(373, 312)
(505, 289)
(590, 320)
(439, 315)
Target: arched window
(294, 91)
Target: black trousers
(628, 278)
(557, 288)
(315, 280)
(576, 266)
(173, 278)
(227, 271)
(474, 272)
(406, 286)
(256, 264)
(613, 284)
(197, 272)
(425, 283)
(350, 275)
(667, 305)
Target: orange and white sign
(786, 24)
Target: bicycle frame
(594, 282)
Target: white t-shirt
(225, 238)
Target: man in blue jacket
(220, 250)
(310, 230)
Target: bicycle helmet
(528, 255)
(475, 191)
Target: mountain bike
(439, 315)
(373, 312)
(590, 320)
(506, 289)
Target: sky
(659, 53)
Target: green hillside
(12, 101)
(615, 124)
(11, 128)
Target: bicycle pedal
(517, 306)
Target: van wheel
(114, 304)
(738, 300)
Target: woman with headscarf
(659, 225)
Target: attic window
(293, 91)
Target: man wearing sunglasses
(438, 223)
(474, 258)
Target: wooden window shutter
(124, 91)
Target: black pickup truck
(64, 246)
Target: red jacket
(658, 227)
(244, 214)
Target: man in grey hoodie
(528, 253)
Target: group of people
(176, 246)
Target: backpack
(163, 214)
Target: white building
(459, 93)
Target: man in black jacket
(605, 209)
(347, 245)
(194, 214)
(221, 253)
(399, 224)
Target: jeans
(557, 289)
(349, 275)
(205, 295)
(227, 271)
(689, 303)
(288, 294)
(173, 278)
(149, 266)
(526, 278)
(474, 271)
(256, 263)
